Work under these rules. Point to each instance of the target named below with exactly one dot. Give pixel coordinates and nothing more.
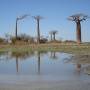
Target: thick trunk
(16, 30)
(54, 37)
(78, 32)
(38, 32)
(51, 37)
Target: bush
(43, 40)
(69, 41)
(23, 38)
(2, 40)
(13, 40)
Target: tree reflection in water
(4, 55)
(38, 57)
(53, 55)
(81, 62)
(19, 56)
(39, 54)
(78, 67)
(17, 64)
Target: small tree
(2, 40)
(53, 34)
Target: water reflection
(22, 55)
(19, 56)
(87, 70)
(81, 62)
(78, 68)
(4, 56)
(39, 54)
(17, 64)
(81, 59)
(39, 57)
(53, 55)
(43, 63)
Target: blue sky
(55, 13)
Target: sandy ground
(26, 83)
(61, 85)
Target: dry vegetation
(62, 47)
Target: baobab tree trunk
(16, 30)
(38, 32)
(54, 37)
(78, 32)
(51, 37)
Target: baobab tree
(18, 19)
(53, 34)
(50, 35)
(78, 18)
(38, 18)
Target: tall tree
(78, 18)
(50, 35)
(18, 19)
(38, 18)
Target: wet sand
(26, 83)
(61, 85)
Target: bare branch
(37, 17)
(22, 17)
(78, 17)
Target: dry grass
(69, 48)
